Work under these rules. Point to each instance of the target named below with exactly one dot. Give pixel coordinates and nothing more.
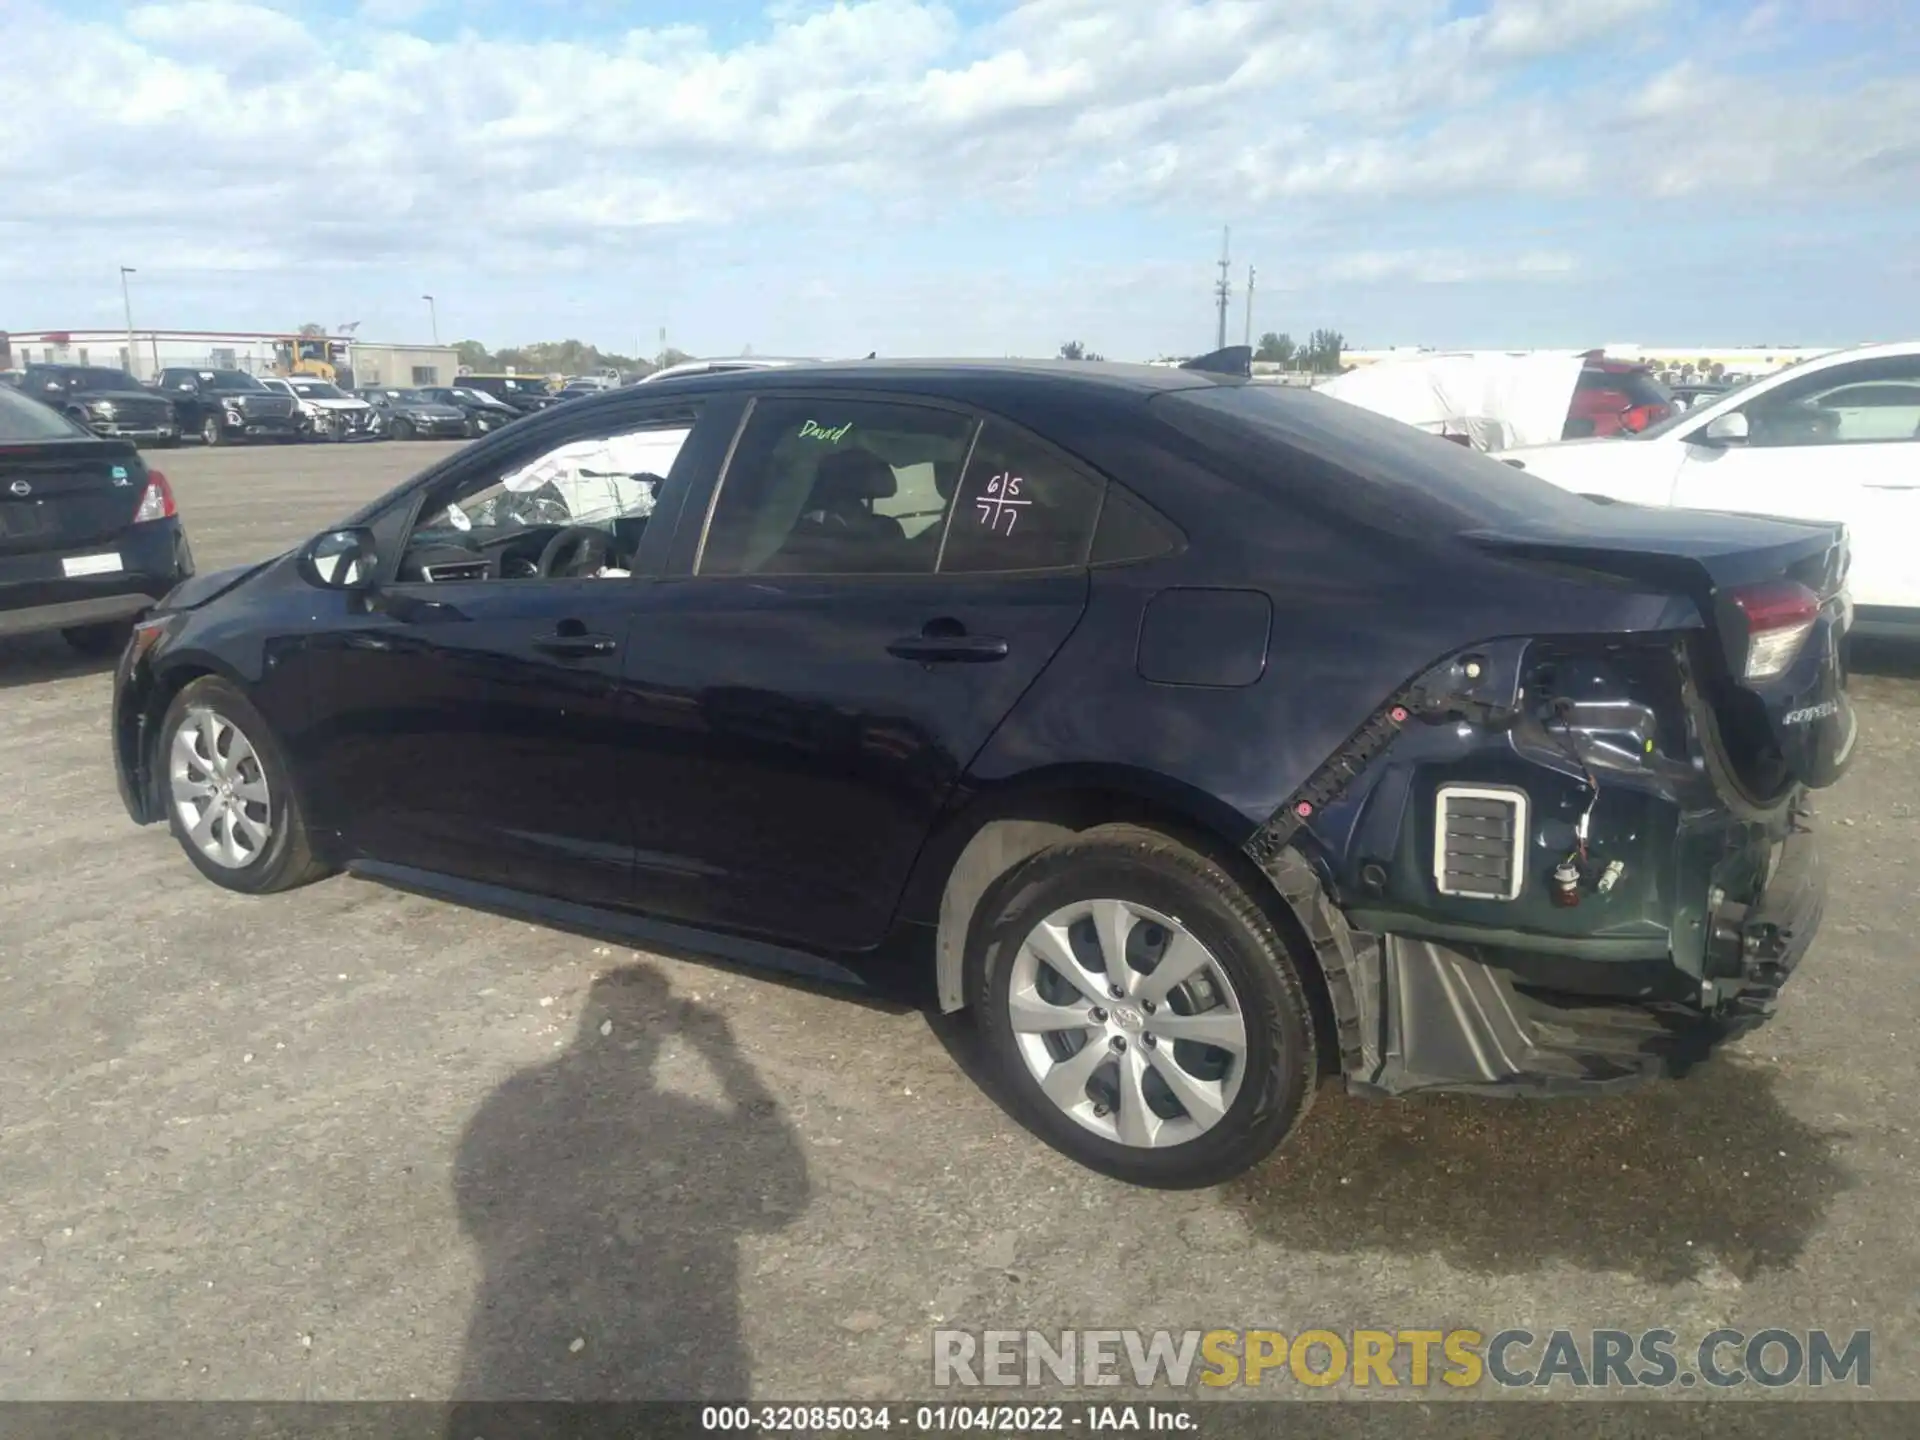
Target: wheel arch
(978, 848)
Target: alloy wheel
(1127, 1023)
(220, 790)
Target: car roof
(937, 374)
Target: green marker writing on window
(811, 430)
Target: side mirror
(341, 560)
(1730, 429)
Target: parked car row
(226, 406)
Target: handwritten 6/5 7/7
(1001, 502)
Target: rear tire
(229, 794)
(109, 637)
(1166, 1110)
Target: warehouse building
(257, 352)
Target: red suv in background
(1615, 397)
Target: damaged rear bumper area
(1451, 1020)
(1417, 1014)
(1546, 881)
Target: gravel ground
(350, 1143)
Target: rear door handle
(934, 649)
(576, 647)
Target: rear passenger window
(1130, 530)
(836, 487)
(1020, 508)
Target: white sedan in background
(1836, 437)
(329, 411)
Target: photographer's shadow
(607, 1209)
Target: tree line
(561, 357)
(1319, 356)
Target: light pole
(433, 318)
(126, 298)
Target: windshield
(98, 379)
(228, 380)
(318, 390)
(479, 397)
(1680, 417)
(24, 419)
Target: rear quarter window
(1335, 458)
(22, 419)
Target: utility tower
(1249, 335)
(1224, 290)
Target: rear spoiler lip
(1235, 360)
(1724, 564)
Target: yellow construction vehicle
(314, 355)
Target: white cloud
(1444, 267)
(225, 136)
(1527, 29)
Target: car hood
(197, 590)
(431, 412)
(88, 397)
(1567, 447)
(318, 404)
(1642, 471)
(266, 401)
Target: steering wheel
(577, 550)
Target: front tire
(229, 794)
(1142, 1012)
(212, 432)
(402, 430)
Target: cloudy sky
(967, 177)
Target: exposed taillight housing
(1640, 417)
(1780, 615)
(156, 501)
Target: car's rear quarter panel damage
(1527, 996)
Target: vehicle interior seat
(837, 527)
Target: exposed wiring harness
(1572, 748)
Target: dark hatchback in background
(1201, 737)
(89, 536)
(105, 401)
(485, 413)
(413, 415)
(526, 393)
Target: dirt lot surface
(350, 1143)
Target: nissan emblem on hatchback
(21, 487)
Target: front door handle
(576, 647)
(936, 649)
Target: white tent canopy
(1497, 399)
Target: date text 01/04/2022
(950, 1419)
